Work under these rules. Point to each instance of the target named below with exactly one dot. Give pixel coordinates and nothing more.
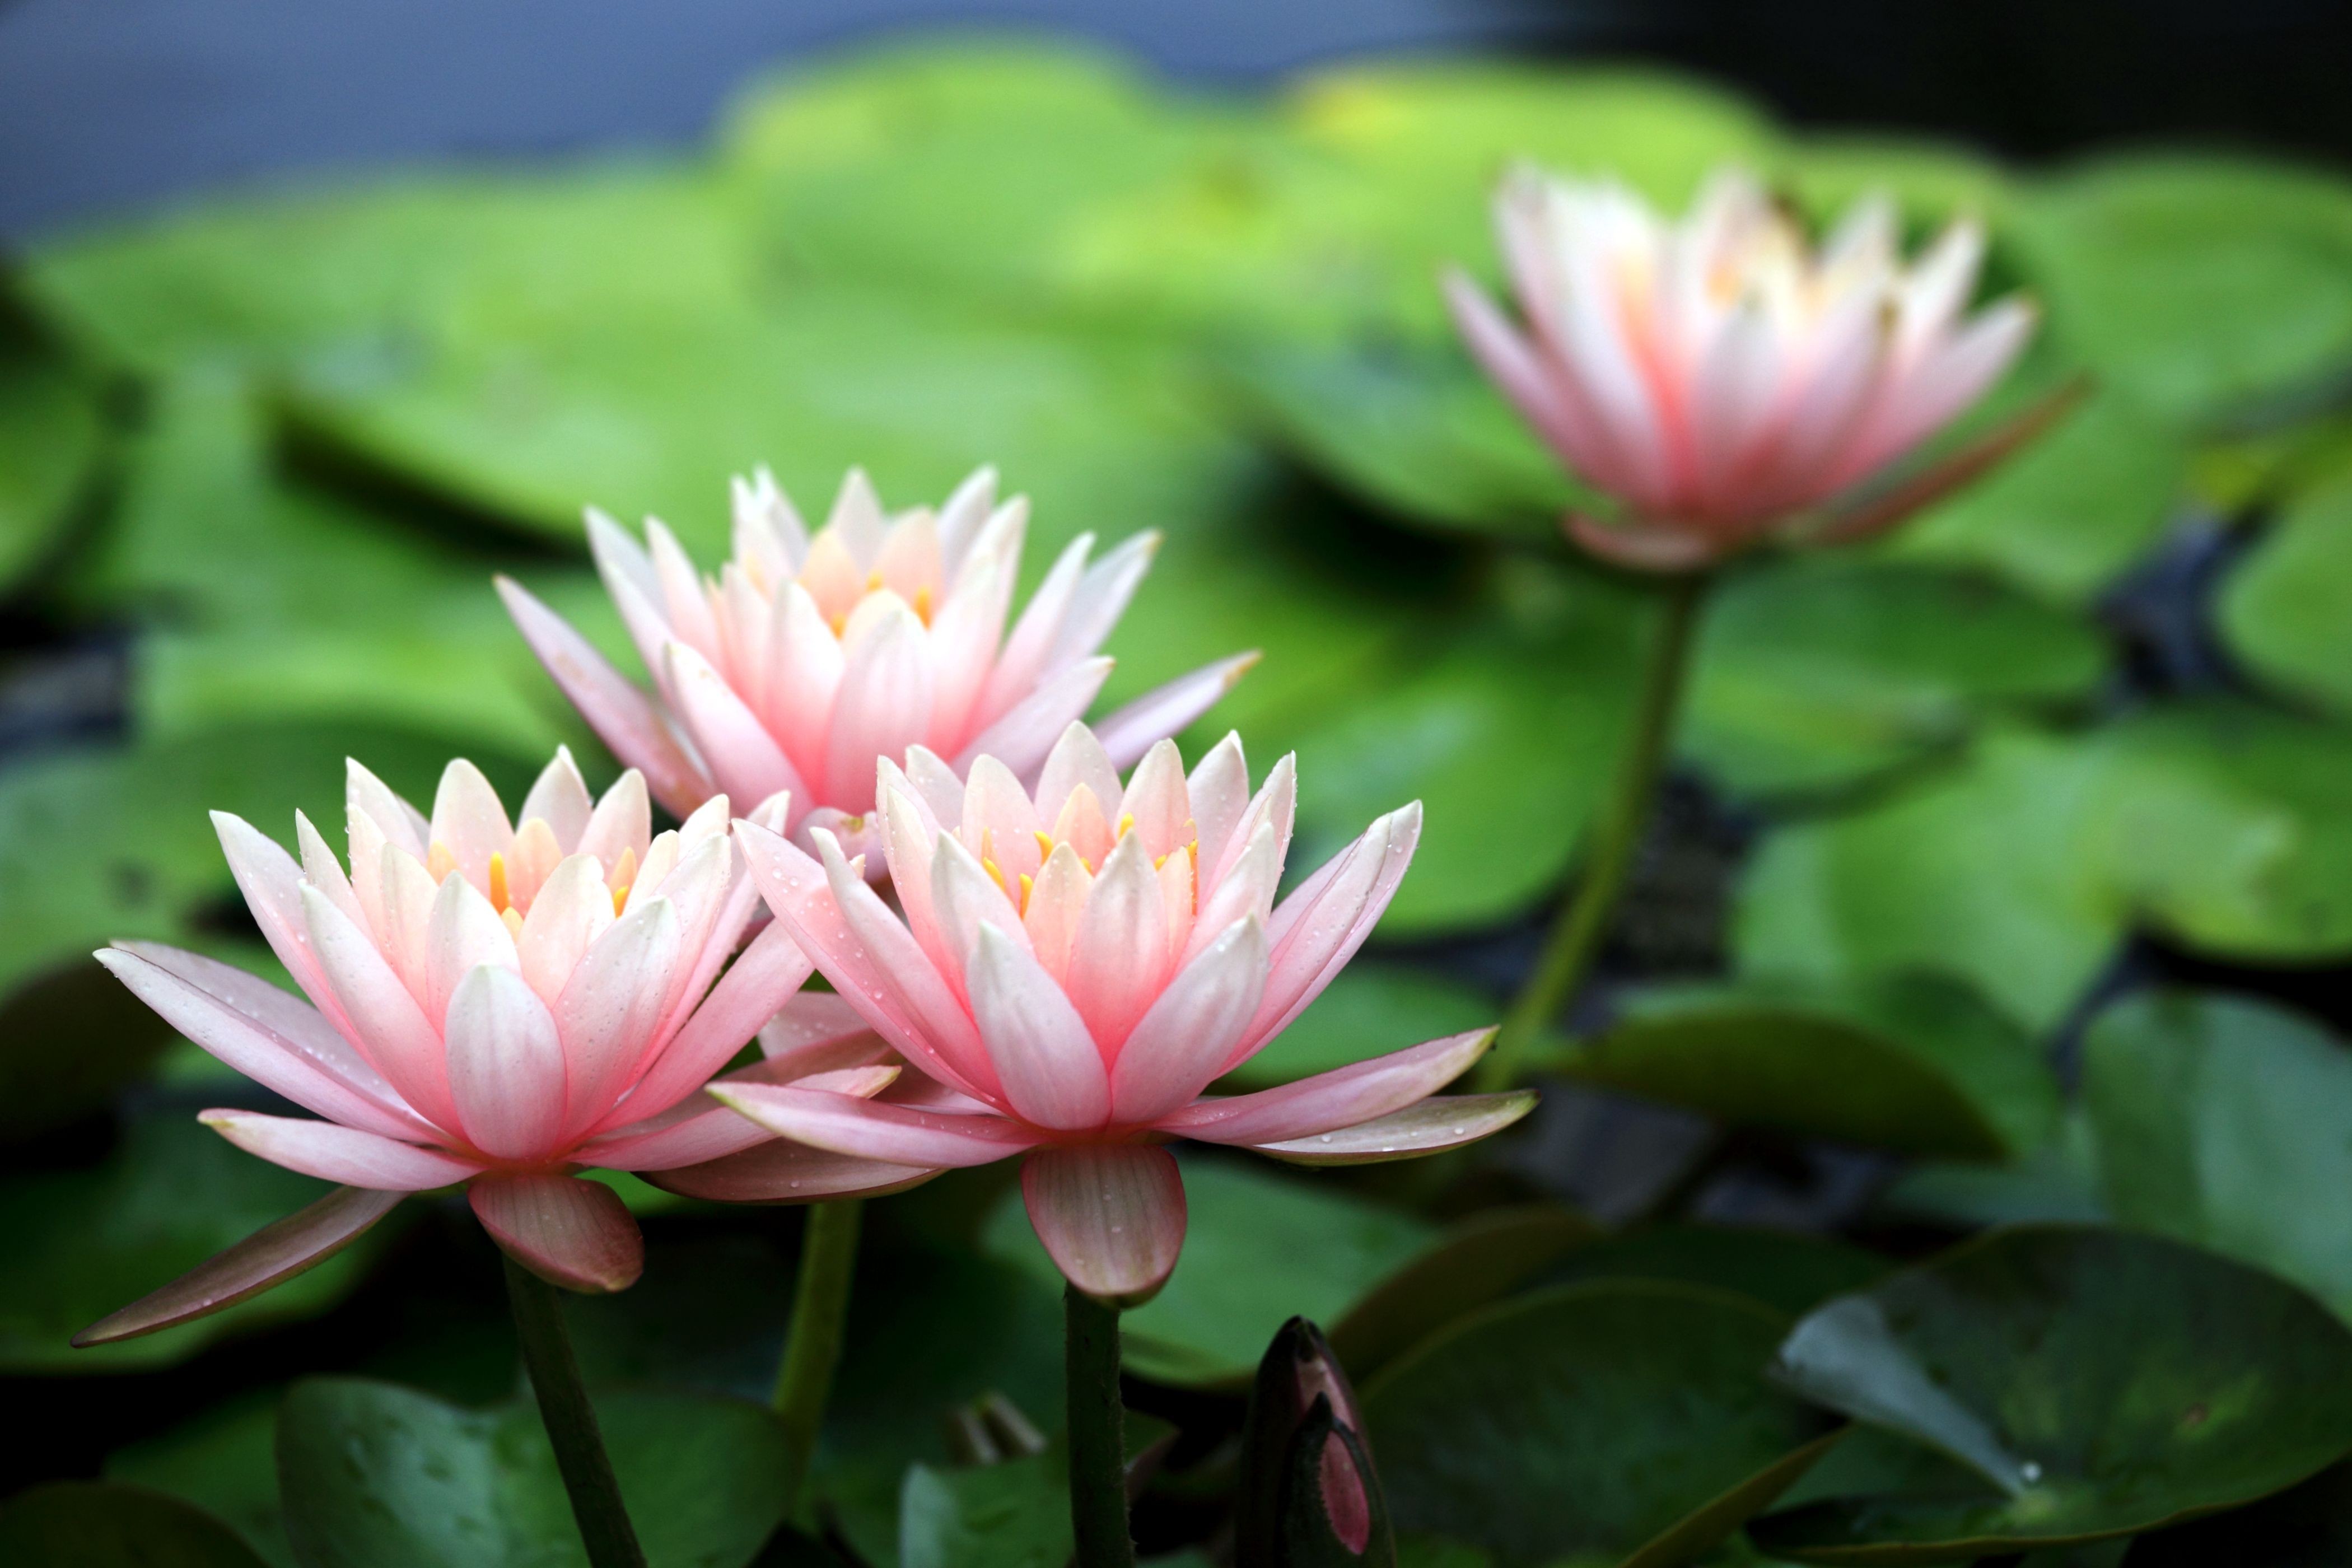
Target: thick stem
(812, 1347)
(1616, 834)
(1097, 1433)
(570, 1422)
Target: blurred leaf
(1259, 1248)
(2196, 285)
(171, 1193)
(2058, 1181)
(2286, 607)
(1015, 1514)
(2220, 1121)
(52, 437)
(1931, 181)
(1912, 1063)
(222, 1460)
(96, 1524)
(2309, 1526)
(378, 1474)
(2222, 824)
(1475, 1260)
(1786, 1271)
(115, 1040)
(1814, 672)
(1368, 1009)
(1590, 1422)
(2110, 1381)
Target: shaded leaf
(1368, 1010)
(2286, 606)
(224, 1461)
(52, 440)
(1015, 1514)
(99, 1524)
(1476, 1260)
(1787, 1271)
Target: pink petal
(401, 823)
(1159, 802)
(632, 583)
(742, 756)
(811, 1021)
(895, 960)
(1078, 758)
(803, 681)
(1276, 803)
(506, 1064)
(386, 1022)
(692, 1140)
(1246, 889)
(1052, 1073)
(683, 598)
(469, 819)
(884, 706)
(1021, 664)
(1219, 790)
(1021, 739)
(1111, 1217)
(559, 798)
(875, 1129)
(322, 871)
(760, 982)
(621, 822)
(963, 900)
(1316, 943)
(1057, 901)
(1119, 962)
(1329, 1101)
(569, 1231)
(971, 621)
(270, 1257)
(273, 1039)
(572, 909)
(936, 785)
(463, 934)
(779, 1171)
(1164, 710)
(623, 717)
(272, 885)
(1510, 362)
(1642, 547)
(1000, 820)
(608, 1010)
(1183, 1042)
(963, 515)
(1430, 1127)
(1102, 596)
(333, 1153)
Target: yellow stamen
(1045, 846)
(874, 580)
(1126, 823)
(1028, 886)
(620, 900)
(623, 873)
(513, 918)
(997, 873)
(500, 898)
(439, 861)
(840, 623)
(923, 603)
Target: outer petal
(875, 1129)
(1021, 739)
(780, 1171)
(811, 1020)
(1102, 598)
(270, 1257)
(1643, 547)
(1111, 1217)
(1340, 1097)
(1430, 1127)
(741, 755)
(1021, 663)
(1183, 1041)
(1312, 947)
(272, 885)
(399, 1042)
(759, 984)
(506, 1064)
(338, 1153)
(569, 1231)
(898, 961)
(622, 716)
(688, 1140)
(1052, 1073)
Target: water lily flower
(807, 658)
(1076, 964)
(1726, 381)
(492, 1005)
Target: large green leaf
(1368, 1009)
(1259, 1248)
(2221, 824)
(2196, 285)
(1912, 1063)
(171, 1193)
(1813, 672)
(1788, 1272)
(1622, 1420)
(376, 1474)
(1476, 1260)
(2307, 1527)
(2224, 1121)
(1014, 1514)
(52, 436)
(2286, 609)
(96, 1524)
(223, 1461)
(2101, 1382)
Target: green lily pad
(53, 435)
(1476, 1260)
(2222, 1122)
(224, 1461)
(2220, 824)
(2100, 1382)
(1817, 672)
(1620, 1420)
(1259, 1248)
(2309, 1526)
(1913, 1063)
(1931, 181)
(2284, 608)
(1015, 1514)
(376, 1474)
(2197, 285)
(2058, 1181)
(172, 1192)
(1368, 1009)
(98, 1524)
(1788, 1272)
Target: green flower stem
(1616, 834)
(570, 1422)
(812, 1349)
(1097, 1433)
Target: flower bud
(1309, 1497)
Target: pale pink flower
(1724, 380)
(807, 659)
(1076, 963)
(488, 1004)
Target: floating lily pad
(1599, 1422)
(2222, 1122)
(1476, 1260)
(2286, 607)
(1913, 1063)
(224, 1461)
(1368, 1010)
(376, 1474)
(2100, 1382)
(1015, 1514)
(2058, 1181)
(52, 437)
(98, 1524)
(2307, 1527)
(1259, 1248)
(1788, 1272)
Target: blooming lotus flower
(1723, 379)
(1076, 964)
(807, 659)
(490, 1005)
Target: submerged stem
(1097, 1433)
(813, 1345)
(570, 1422)
(1583, 917)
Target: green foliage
(96, 1524)
(1015, 1514)
(2285, 608)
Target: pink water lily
(1723, 379)
(487, 1004)
(1076, 963)
(808, 658)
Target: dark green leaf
(1591, 1422)
(1015, 1514)
(377, 1474)
(2286, 607)
(223, 1461)
(1476, 1261)
(2101, 1382)
(96, 1524)
(1368, 1010)
(1788, 1273)
(2058, 1181)
(2307, 1527)
(52, 437)
(1916, 1063)
(2223, 1121)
